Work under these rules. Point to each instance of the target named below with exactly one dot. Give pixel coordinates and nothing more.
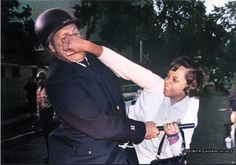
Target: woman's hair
(196, 77)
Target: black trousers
(177, 160)
(46, 123)
(131, 156)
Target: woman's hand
(72, 44)
(171, 128)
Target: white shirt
(152, 105)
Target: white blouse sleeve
(176, 148)
(191, 117)
(129, 70)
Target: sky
(40, 5)
(210, 4)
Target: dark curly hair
(196, 77)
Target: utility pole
(141, 51)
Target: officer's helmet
(49, 22)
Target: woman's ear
(186, 90)
(51, 47)
(194, 84)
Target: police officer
(86, 97)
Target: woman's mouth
(166, 89)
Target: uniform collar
(84, 62)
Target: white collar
(82, 63)
(181, 102)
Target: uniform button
(117, 107)
(132, 127)
(89, 152)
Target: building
(14, 76)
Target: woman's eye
(175, 80)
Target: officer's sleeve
(82, 113)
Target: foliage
(168, 29)
(121, 23)
(225, 19)
(18, 38)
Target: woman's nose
(167, 80)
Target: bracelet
(173, 138)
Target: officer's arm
(82, 113)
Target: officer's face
(56, 44)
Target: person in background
(166, 101)
(87, 98)
(45, 109)
(31, 88)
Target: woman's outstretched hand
(72, 44)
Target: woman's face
(57, 46)
(175, 83)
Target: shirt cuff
(173, 138)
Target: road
(210, 133)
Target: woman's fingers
(171, 128)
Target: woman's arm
(129, 70)
(119, 64)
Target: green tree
(18, 38)
(168, 29)
(120, 23)
(89, 14)
(225, 17)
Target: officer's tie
(84, 62)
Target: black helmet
(49, 22)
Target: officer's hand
(171, 128)
(151, 130)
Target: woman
(164, 101)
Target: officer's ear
(51, 47)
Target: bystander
(31, 88)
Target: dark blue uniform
(90, 105)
